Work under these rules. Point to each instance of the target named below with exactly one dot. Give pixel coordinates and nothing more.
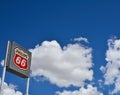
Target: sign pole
(4, 69)
(27, 86)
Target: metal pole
(4, 69)
(27, 86)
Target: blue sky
(75, 45)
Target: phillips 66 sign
(18, 60)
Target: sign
(21, 59)
(18, 60)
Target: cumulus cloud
(90, 90)
(81, 39)
(70, 65)
(9, 90)
(112, 69)
(2, 63)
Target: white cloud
(112, 69)
(70, 65)
(90, 90)
(2, 63)
(81, 39)
(9, 90)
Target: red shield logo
(20, 59)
